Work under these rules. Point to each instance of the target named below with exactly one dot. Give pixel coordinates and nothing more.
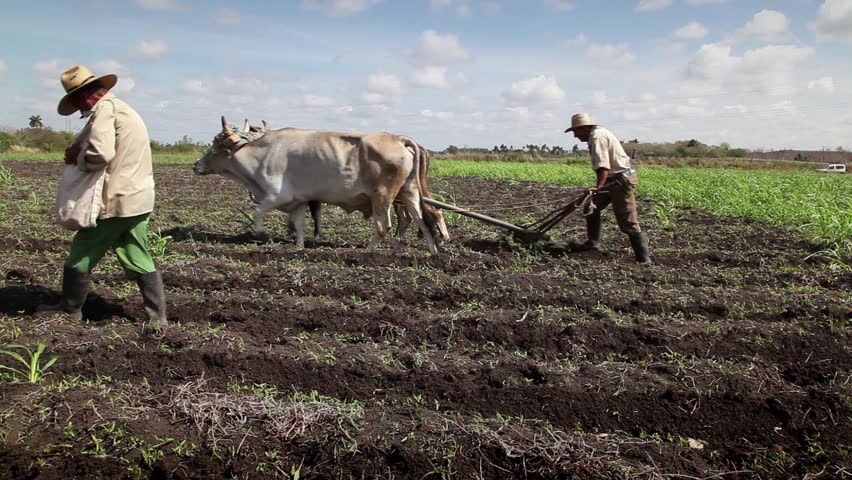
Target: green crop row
(819, 204)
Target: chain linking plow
(527, 233)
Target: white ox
(287, 168)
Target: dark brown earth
(730, 358)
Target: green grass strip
(819, 204)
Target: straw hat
(581, 120)
(76, 78)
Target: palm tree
(35, 121)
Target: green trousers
(126, 236)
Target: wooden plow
(528, 233)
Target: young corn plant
(34, 370)
(157, 244)
(5, 176)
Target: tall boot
(639, 242)
(153, 298)
(75, 287)
(593, 231)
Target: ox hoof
(259, 236)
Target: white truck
(833, 168)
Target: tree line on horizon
(43, 138)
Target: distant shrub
(6, 141)
(182, 146)
(44, 139)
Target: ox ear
(246, 126)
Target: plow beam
(529, 235)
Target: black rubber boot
(593, 231)
(639, 242)
(153, 298)
(75, 287)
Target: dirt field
(730, 358)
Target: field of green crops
(818, 204)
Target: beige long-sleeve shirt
(607, 151)
(116, 138)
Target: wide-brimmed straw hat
(76, 78)
(581, 120)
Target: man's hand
(71, 154)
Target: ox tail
(432, 216)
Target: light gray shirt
(607, 151)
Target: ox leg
(316, 211)
(403, 219)
(412, 206)
(382, 220)
(297, 216)
(259, 214)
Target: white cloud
(52, 68)
(436, 76)
(705, 2)
(126, 84)
(310, 100)
(464, 11)
(148, 51)
(822, 85)
(579, 39)
(650, 5)
(767, 68)
(610, 55)
(560, 5)
(535, 90)
(228, 16)
(384, 83)
(434, 48)
(766, 26)
(195, 86)
(161, 5)
(382, 88)
(105, 67)
(691, 30)
(4, 69)
(834, 20)
(738, 108)
(440, 3)
(245, 84)
(670, 48)
(338, 8)
(439, 115)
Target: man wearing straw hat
(114, 138)
(616, 184)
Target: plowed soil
(729, 358)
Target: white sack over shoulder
(79, 198)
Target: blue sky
(752, 73)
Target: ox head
(217, 158)
(434, 219)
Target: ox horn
(225, 127)
(246, 126)
(265, 126)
